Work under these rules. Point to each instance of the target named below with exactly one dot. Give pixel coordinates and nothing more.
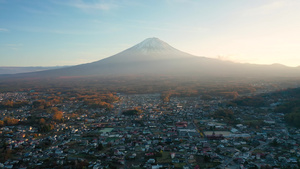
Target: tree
(7, 154)
(57, 116)
(132, 112)
(10, 121)
(1, 123)
(207, 159)
(46, 127)
(54, 109)
(225, 114)
(274, 143)
(42, 121)
(100, 147)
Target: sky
(71, 32)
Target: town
(143, 131)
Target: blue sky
(70, 32)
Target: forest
(288, 103)
(291, 107)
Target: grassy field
(179, 165)
(166, 158)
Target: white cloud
(91, 5)
(167, 27)
(181, 1)
(267, 8)
(3, 30)
(42, 10)
(14, 46)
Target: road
(121, 105)
(227, 162)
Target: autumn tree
(1, 123)
(42, 121)
(57, 116)
(54, 109)
(10, 121)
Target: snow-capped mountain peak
(152, 45)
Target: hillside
(155, 57)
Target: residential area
(142, 131)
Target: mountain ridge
(155, 57)
(25, 69)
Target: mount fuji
(155, 57)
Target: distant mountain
(15, 70)
(155, 57)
